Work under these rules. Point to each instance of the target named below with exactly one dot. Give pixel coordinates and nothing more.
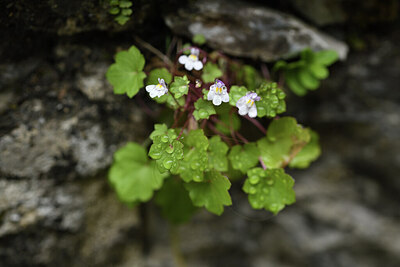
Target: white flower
(192, 61)
(246, 104)
(218, 93)
(157, 90)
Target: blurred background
(60, 124)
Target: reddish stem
(212, 128)
(257, 124)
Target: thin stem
(212, 128)
(216, 120)
(154, 50)
(241, 137)
(257, 124)
(175, 246)
(265, 71)
(184, 126)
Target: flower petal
(182, 59)
(211, 94)
(253, 111)
(153, 93)
(225, 97)
(150, 87)
(243, 110)
(198, 65)
(217, 100)
(189, 65)
(242, 101)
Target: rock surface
(60, 124)
(247, 30)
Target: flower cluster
(218, 92)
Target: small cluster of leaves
(197, 170)
(306, 73)
(121, 9)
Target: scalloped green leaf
(211, 71)
(126, 74)
(175, 202)
(195, 160)
(203, 109)
(244, 157)
(121, 20)
(326, 57)
(125, 3)
(236, 93)
(269, 189)
(167, 151)
(307, 80)
(293, 83)
(318, 71)
(212, 194)
(199, 39)
(272, 100)
(285, 138)
(217, 157)
(161, 73)
(308, 153)
(133, 177)
(180, 86)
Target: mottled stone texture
(60, 124)
(243, 29)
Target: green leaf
(199, 39)
(252, 78)
(272, 100)
(203, 109)
(308, 153)
(307, 80)
(326, 57)
(180, 86)
(114, 10)
(236, 93)
(132, 176)
(161, 73)
(174, 201)
(114, 2)
(121, 20)
(244, 157)
(166, 150)
(195, 160)
(211, 72)
(126, 11)
(285, 138)
(217, 157)
(186, 46)
(226, 121)
(279, 65)
(212, 194)
(159, 129)
(293, 83)
(318, 71)
(125, 4)
(126, 74)
(270, 189)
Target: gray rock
(322, 12)
(247, 30)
